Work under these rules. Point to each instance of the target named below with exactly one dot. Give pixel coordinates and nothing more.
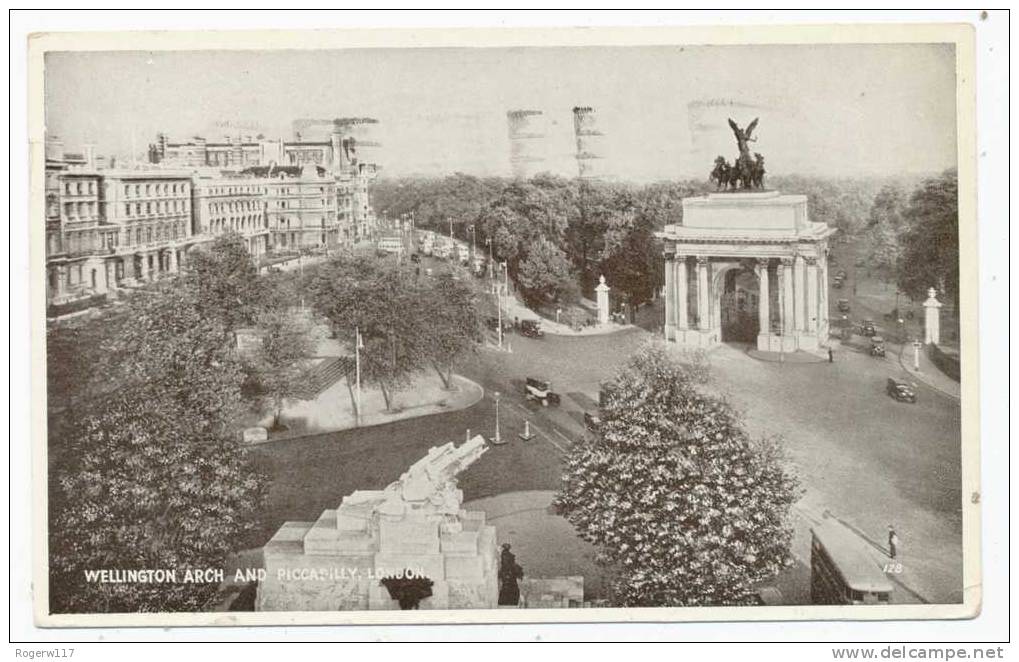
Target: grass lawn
(311, 474)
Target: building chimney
(90, 156)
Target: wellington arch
(747, 267)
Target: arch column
(670, 297)
(812, 318)
(786, 311)
(682, 294)
(763, 304)
(798, 295)
(703, 295)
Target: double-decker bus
(843, 570)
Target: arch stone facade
(766, 232)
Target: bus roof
(859, 570)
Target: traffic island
(333, 409)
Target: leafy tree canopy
(684, 506)
(151, 487)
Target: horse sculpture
(747, 172)
(721, 174)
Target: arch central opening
(739, 306)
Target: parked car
(541, 391)
(877, 346)
(843, 305)
(841, 274)
(900, 390)
(592, 421)
(493, 324)
(868, 328)
(531, 329)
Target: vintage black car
(531, 329)
(868, 328)
(841, 274)
(843, 305)
(877, 346)
(541, 391)
(493, 324)
(838, 283)
(900, 390)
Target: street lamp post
(498, 306)
(916, 355)
(497, 439)
(357, 369)
(300, 266)
(491, 274)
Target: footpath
(513, 308)
(927, 372)
(333, 409)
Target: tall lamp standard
(491, 274)
(498, 307)
(497, 439)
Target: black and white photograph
(501, 331)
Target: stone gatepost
(932, 318)
(603, 300)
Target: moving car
(868, 328)
(877, 346)
(900, 390)
(541, 390)
(531, 329)
(843, 305)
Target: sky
(833, 110)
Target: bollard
(526, 434)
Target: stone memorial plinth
(415, 527)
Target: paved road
(869, 459)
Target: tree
(151, 486)
(279, 364)
(380, 300)
(930, 240)
(453, 327)
(544, 276)
(167, 342)
(149, 472)
(225, 282)
(683, 505)
(880, 250)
